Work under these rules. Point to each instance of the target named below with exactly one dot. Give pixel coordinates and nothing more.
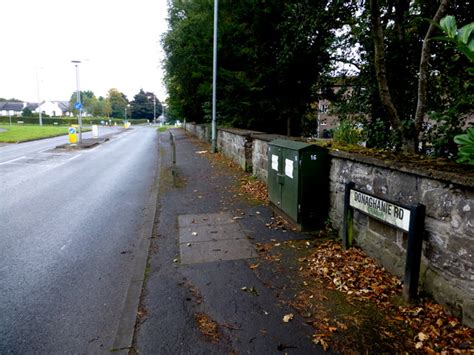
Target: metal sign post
(409, 219)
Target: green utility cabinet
(298, 182)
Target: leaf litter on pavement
(354, 304)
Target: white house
(11, 108)
(54, 108)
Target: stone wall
(447, 263)
(260, 154)
(202, 131)
(447, 270)
(237, 145)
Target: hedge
(65, 121)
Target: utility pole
(39, 102)
(78, 104)
(214, 80)
(154, 108)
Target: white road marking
(74, 157)
(11, 161)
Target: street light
(214, 79)
(154, 108)
(39, 102)
(78, 104)
(127, 106)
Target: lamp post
(39, 102)
(214, 80)
(78, 104)
(154, 108)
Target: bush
(348, 132)
(466, 147)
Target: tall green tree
(270, 56)
(145, 105)
(118, 102)
(102, 107)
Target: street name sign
(383, 210)
(408, 219)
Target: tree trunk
(424, 74)
(380, 69)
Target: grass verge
(14, 134)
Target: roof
(11, 106)
(63, 105)
(32, 106)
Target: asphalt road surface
(71, 223)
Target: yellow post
(72, 135)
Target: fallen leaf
(422, 336)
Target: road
(72, 223)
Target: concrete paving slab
(205, 219)
(204, 252)
(212, 237)
(210, 233)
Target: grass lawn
(13, 134)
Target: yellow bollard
(72, 135)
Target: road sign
(72, 135)
(78, 105)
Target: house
(50, 108)
(11, 108)
(327, 119)
(54, 108)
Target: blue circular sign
(78, 105)
(72, 130)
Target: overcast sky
(118, 42)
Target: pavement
(208, 289)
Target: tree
(409, 134)
(270, 56)
(118, 102)
(88, 101)
(27, 112)
(407, 86)
(145, 105)
(102, 107)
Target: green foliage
(270, 55)
(118, 102)
(143, 105)
(88, 101)
(348, 132)
(449, 89)
(463, 38)
(466, 149)
(26, 112)
(450, 119)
